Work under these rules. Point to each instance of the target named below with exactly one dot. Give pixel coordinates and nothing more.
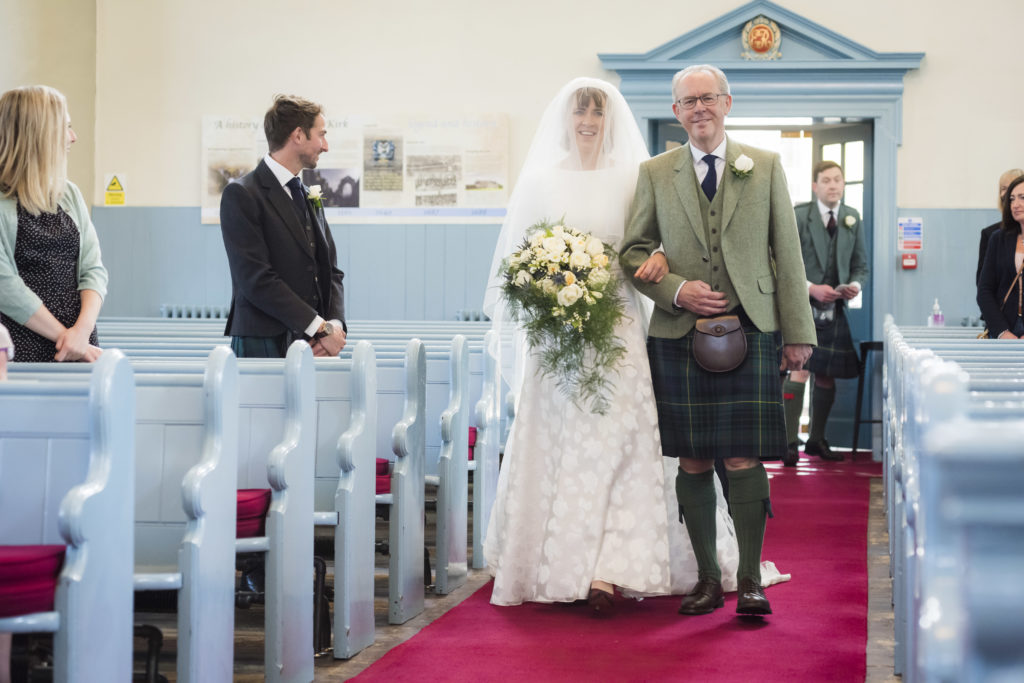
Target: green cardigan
(18, 301)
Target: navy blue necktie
(710, 182)
(298, 198)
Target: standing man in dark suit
(722, 212)
(986, 233)
(832, 239)
(285, 284)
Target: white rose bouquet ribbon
(560, 287)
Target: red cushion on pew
(383, 475)
(383, 465)
(472, 441)
(28, 578)
(252, 512)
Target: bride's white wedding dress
(584, 497)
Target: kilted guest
(51, 276)
(832, 239)
(722, 211)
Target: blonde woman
(51, 276)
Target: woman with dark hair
(52, 280)
(1000, 290)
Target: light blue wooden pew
(970, 524)
(906, 366)
(405, 528)
(67, 477)
(186, 427)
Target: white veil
(553, 150)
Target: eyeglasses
(706, 99)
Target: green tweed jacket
(851, 254)
(760, 245)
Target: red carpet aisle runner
(817, 633)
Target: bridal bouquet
(560, 287)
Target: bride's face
(588, 126)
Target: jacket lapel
(819, 237)
(731, 186)
(282, 205)
(686, 188)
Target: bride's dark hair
(585, 95)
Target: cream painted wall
(162, 66)
(53, 42)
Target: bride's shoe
(602, 602)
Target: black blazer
(277, 284)
(986, 235)
(997, 273)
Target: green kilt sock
(794, 407)
(821, 405)
(696, 495)
(748, 501)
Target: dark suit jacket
(274, 271)
(986, 235)
(851, 254)
(997, 273)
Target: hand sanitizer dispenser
(936, 319)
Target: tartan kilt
(835, 355)
(705, 415)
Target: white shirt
(700, 167)
(283, 176)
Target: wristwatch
(326, 330)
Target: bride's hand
(653, 269)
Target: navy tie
(710, 182)
(298, 198)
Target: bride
(584, 502)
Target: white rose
(601, 260)
(578, 244)
(315, 192)
(850, 221)
(554, 245)
(548, 286)
(536, 239)
(595, 246)
(558, 231)
(570, 278)
(744, 163)
(569, 295)
(579, 259)
(522, 279)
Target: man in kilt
(722, 213)
(836, 260)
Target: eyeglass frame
(682, 101)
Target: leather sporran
(719, 344)
(823, 312)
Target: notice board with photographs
(417, 169)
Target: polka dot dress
(46, 256)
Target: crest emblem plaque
(761, 39)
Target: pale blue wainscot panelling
(164, 255)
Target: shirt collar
(282, 174)
(823, 209)
(698, 154)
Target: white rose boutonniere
(742, 167)
(316, 196)
(849, 222)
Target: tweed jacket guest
(851, 254)
(759, 242)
